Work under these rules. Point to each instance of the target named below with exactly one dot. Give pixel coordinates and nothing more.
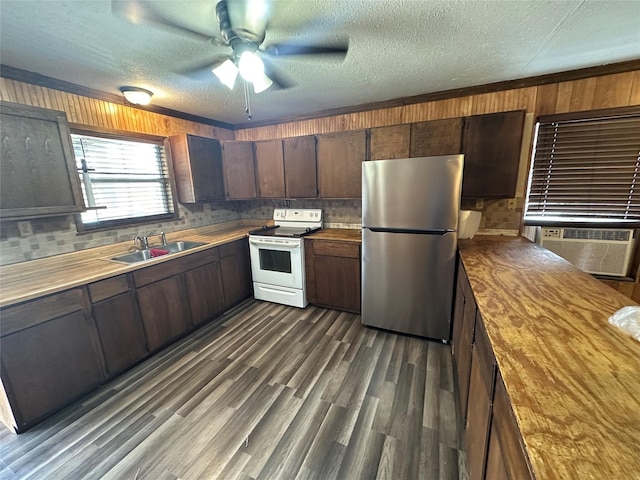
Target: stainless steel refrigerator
(409, 237)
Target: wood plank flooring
(270, 392)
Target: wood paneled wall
(608, 91)
(91, 112)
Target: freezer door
(420, 193)
(408, 281)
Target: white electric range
(277, 256)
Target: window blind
(123, 181)
(587, 171)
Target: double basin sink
(145, 255)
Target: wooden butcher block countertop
(342, 234)
(36, 278)
(573, 379)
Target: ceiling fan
(243, 26)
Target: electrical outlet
(479, 204)
(206, 207)
(511, 204)
(25, 229)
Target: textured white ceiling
(398, 48)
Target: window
(124, 181)
(586, 170)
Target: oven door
(277, 261)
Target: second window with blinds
(124, 180)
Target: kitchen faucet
(142, 243)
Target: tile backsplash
(52, 236)
(56, 235)
(497, 217)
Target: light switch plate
(25, 228)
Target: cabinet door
(390, 142)
(458, 315)
(506, 457)
(300, 167)
(491, 147)
(235, 267)
(206, 295)
(120, 331)
(165, 311)
(496, 469)
(53, 361)
(38, 175)
(335, 267)
(239, 170)
(466, 342)
(197, 163)
(340, 158)
(436, 137)
(478, 417)
(270, 169)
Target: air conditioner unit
(600, 251)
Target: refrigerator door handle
(414, 232)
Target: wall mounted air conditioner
(601, 251)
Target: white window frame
(91, 219)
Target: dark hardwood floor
(272, 392)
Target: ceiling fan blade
(291, 48)
(279, 80)
(203, 70)
(141, 12)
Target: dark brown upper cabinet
(239, 170)
(197, 163)
(300, 167)
(436, 137)
(38, 173)
(270, 169)
(390, 142)
(340, 157)
(491, 145)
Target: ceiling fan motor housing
(241, 29)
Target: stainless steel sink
(145, 255)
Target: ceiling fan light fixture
(136, 95)
(261, 83)
(226, 73)
(250, 66)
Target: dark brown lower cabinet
(165, 311)
(506, 457)
(235, 267)
(466, 343)
(333, 274)
(49, 355)
(496, 469)
(479, 408)
(121, 332)
(205, 292)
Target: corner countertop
(28, 280)
(341, 234)
(573, 379)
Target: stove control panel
(298, 214)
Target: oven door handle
(280, 244)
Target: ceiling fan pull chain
(247, 101)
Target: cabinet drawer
(108, 288)
(42, 310)
(336, 249)
(174, 267)
(486, 360)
